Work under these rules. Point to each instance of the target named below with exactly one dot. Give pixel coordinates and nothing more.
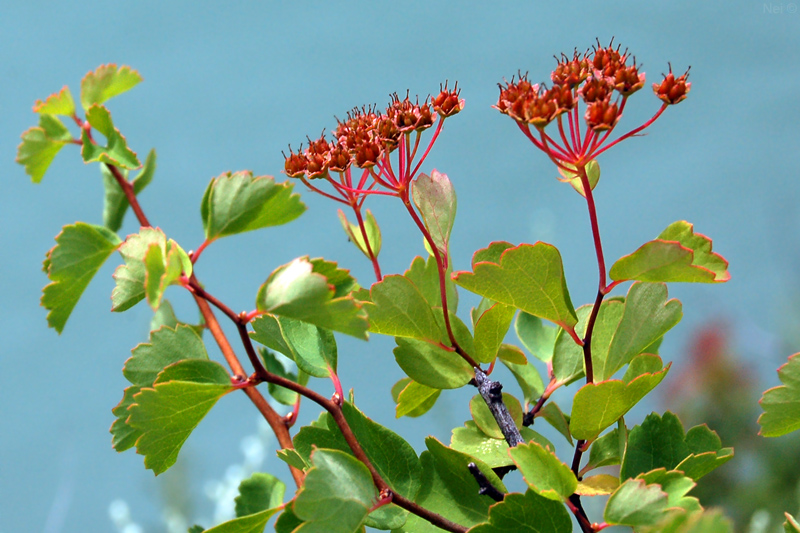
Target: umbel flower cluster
(366, 141)
(603, 79)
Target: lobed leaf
(116, 151)
(781, 404)
(636, 504)
(679, 521)
(167, 413)
(259, 492)
(543, 471)
(528, 513)
(659, 442)
(80, 251)
(105, 82)
(115, 203)
(59, 103)
(239, 202)
(301, 291)
(167, 346)
(40, 145)
(528, 277)
(677, 254)
(435, 198)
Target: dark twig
(486, 488)
(491, 392)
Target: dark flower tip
(447, 102)
(673, 90)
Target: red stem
(372, 257)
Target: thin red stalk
(632, 132)
(562, 153)
(127, 188)
(428, 149)
(368, 191)
(372, 257)
(387, 172)
(196, 254)
(576, 119)
(416, 146)
(319, 191)
(552, 156)
(526, 130)
(598, 246)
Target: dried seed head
(628, 80)
(673, 90)
(602, 115)
(295, 164)
(447, 102)
(571, 72)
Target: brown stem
(435, 519)
(127, 188)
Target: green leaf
(598, 405)
(791, 525)
(167, 413)
(494, 452)
(123, 435)
(679, 521)
(567, 361)
(425, 275)
(116, 204)
(635, 503)
(164, 316)
(528, 379)
(312, 348)
(449, 489)
(254, 523)
(435, 198)
(573, 178)
(490, 330)
(116, 152)
(535, 336)
(299, 290)
(509, 353)
(166, 347)
(59, 103)
(659, 442)
(398, 308)
(678, 254)
(528, 277)
(40, 145)
(431, 365)
(413, 399)
(355, 236)
(483, 416)
(107, 81)
(648, 316)
(141, 275)
(274, 365)
(556, 418)
(292, 457)
(528, 513)
(238, 202)
(492, 253)
(605, 328)
(605, 451)
(336, 496)
(781, 404)
(80, 251)
(543, 471)
(599, 485)
(676, 485)
(258, 493)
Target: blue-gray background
(228, 86)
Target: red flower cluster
(367, 139)
(603, 79)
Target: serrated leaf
(259, 492)
(398, 308)
(413, 399)
(162, 269)
(116, 151)
(336, 496)
(483, 416)
(238, 202)
(598, 405)
(254, 523)
(40, 145)
(80, 251)
(312, 348)
(59, 103)
(494, 452)
(105, 82)
(167, 413)
(435, 198)
(543, 471)
(167, 346)
(490, 330)
(648, 316)
(659, 442)
(535, 336)
(678, 254)
(635, 503)
(291, 457)
(528, 513)
(781, 404)
(298, 290)
(572, 177)
(449, 489)
(528, 379)
(599, 485)
(604, 451)
(556, 418)
(676, 485)
(679, 521)
(115, 203)
(528, 277)
(355, 235)
(123, 435)
(424, 274)
(431, 365)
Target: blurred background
(228, 86)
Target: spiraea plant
(350, 472)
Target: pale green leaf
(528, 379)
(356, 236)
(431, 365)
(116, 151)
(259, 492)
(40, 145)
(166, 347)
(483, 416)
(59, 103)
(552, 413)
(413, 399)
(543, 471)
(535, 336)
(490, 330)
(398, 308)
(435, 198)
(312, 348)
(254, 523)
(635, 503)
(115, 203)
(80, 251)
(424, 274)
(106, 82)
(528, 513)
(781, 404)
(599, 485)
(494, 452)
